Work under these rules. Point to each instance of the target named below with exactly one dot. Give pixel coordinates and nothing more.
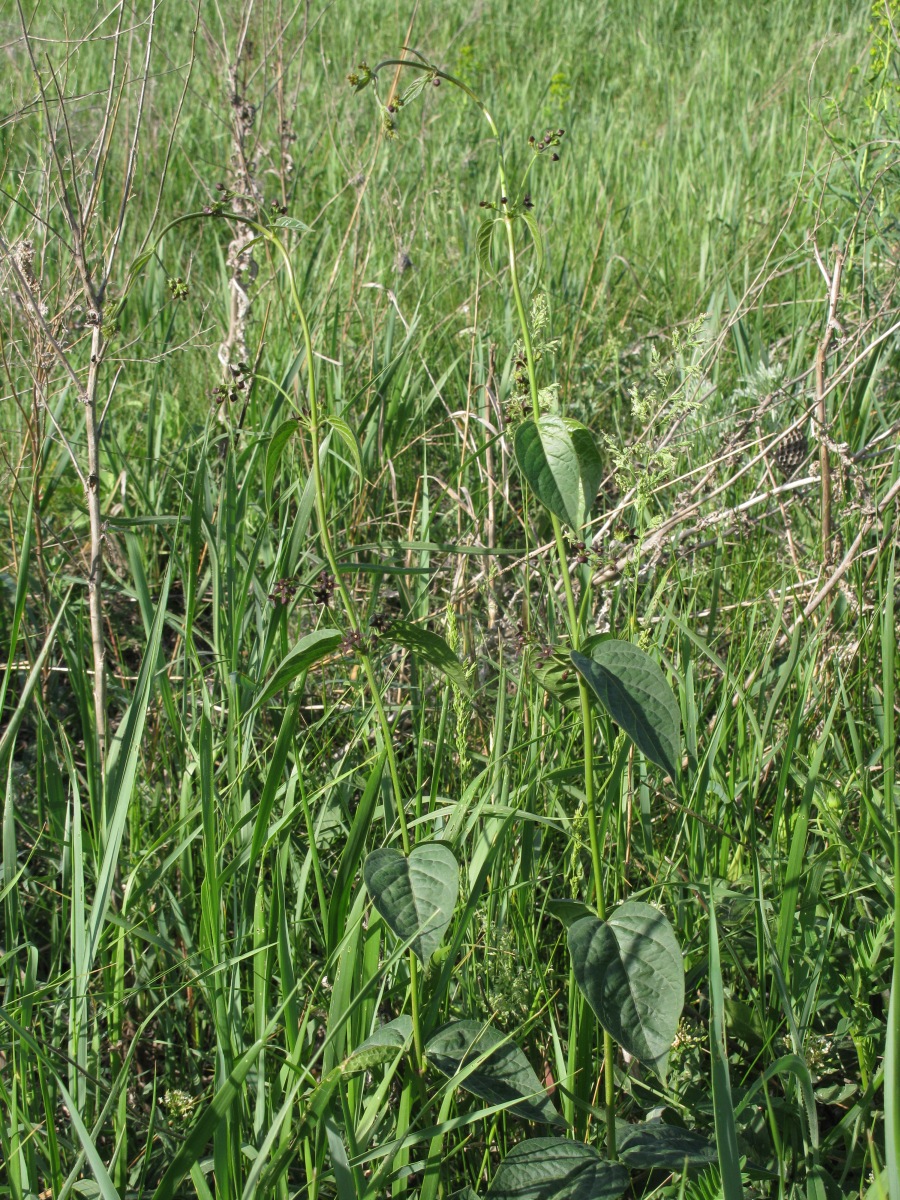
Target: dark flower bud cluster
(352, 641)
(550, 140)
(240, 381)
(323, 592)
(218, 206)
(584, 554)
(284, 591)
(178, 289)
(380, 624)
(278, 210)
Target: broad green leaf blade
(431, 648)
(416, 896)
(538, 238)
(556, 1169)
(654, 1144)
(633, 690)
(349, 439)
(503, 1076)
(277, 443)
(560, 461)
(556, 675)
(483, 244)
(382, 1046)
(568, 911)
(309, 650)
(631, 970)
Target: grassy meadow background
(189, 956)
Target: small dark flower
(554, 158)
(436, 82)
(528, 202)
(503, 200)
(283, 591)
(324, 589)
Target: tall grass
(336, 620)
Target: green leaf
(633, 690)
(275, 449)
(631, 970)
(382, 1047)
(538, 238)
(348, 437)
(416, 896)
(415, 89)
(560, 461)
(667, 1146)
(432, 648)
(291, 223)
(307, 651)
(556, 1169)
(729, 1155)
(568, 911)
(483, 244)
(555, 675)
(503, 1074)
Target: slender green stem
(353, 618)
(584, 698)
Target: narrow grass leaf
(122, 769)
(107, 1187)
(723, 1109)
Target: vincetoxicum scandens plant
(627, 963)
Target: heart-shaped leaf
(307, 651)
(382, 1046)
(556, 1169)
(504, 1075)
(631, 970)
(431, 648)
(633, 690)
(560, 460)
(415, 895)
(568, 911)
(667, 1146)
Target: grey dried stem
(93, 275)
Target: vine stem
(573, 622)
(353, 618)
(587, 723)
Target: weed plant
(448, 601)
